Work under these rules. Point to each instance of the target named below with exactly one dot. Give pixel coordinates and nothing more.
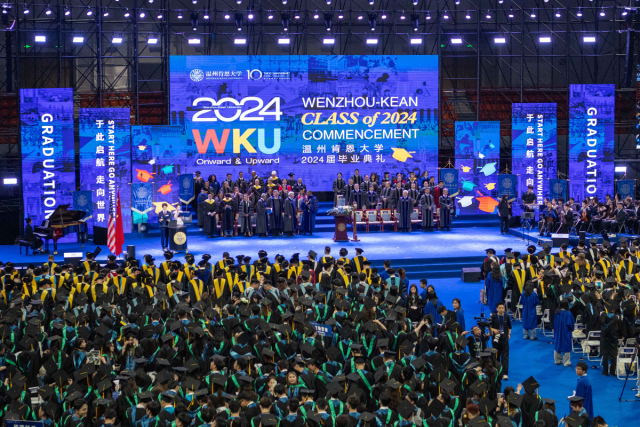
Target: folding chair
(626, 357)
(577, 336)
(415, 217)
(539, 313)
(507, 301)
(546, 318)
(387, 219)
(372, 218)
(360, 219)
(593, 342)
(631, 342)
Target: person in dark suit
(357, 178)
(504, 212)
(36, 242)
(568, 219)
(164, 217)
(621, 217)
(338, 188)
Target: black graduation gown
(405, 208)
(261, 218)
(609, 338)
(209, 209)
(275, 215)
(244, 216)
(371, 200)
(290, 215)
(427, 205)
(386, 194)
(228, 211)
(446, 211)
(201, 210)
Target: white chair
(593, 342)
(631, 342)
(546, 318)
(507, 300)
(577, 337)
(626, 358)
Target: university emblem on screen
(196, 75)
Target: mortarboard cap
(530, 385)
(406, 409)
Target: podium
(340, 233)
(178, 238)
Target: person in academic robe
(427, 205)
(437, 192)
(367, 185)
(290, 215)
(245, 212)
(563, 325)
(405, 208)
(356, 197)
(583, 388)
(529, 301)
(275, 213)
(494, 288)
(298, 187)
(414, 193)
(339, 185)
(255, 191)
(309, 210)
(385, 195)
(396, 195)
(262, 217)
(210, 211)
(609, 341)
(227, 212)
(348, 189)
(446, 210)
(202, 197)
(241, 182)
(504, 212)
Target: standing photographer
(501, 332)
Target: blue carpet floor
(536, 358)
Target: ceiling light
(511, 13)
(25, 9)
(383, 16)
(239, 41)
(446, 15)
(159, 16)
(126, 13)
(116, 39)
(488, 15)
(14, 181)
(402, 16)
(284, 1)
(270, 16)
(624, 12)
(579, 14)
(428, 17)
(558, 15)
(316, 16)
(226, 16)
(340, 16)
(329, 41)
(619, 169)
(206, 14)
(372, 41)
(67, 11)
(180, 16)
(78, 39)
(533, 14)
(328, 1)
(142, 15)
(40, 39)
(152, 40)
(602, 12)
(360, 17)
(545, 39)
(456, 40)
(48, 11)
(589, 39)
(284, 40)
(250, 16)
(296, 16)
(499, 40)
(468, 15)
(415, 41)
(194, 41)
(89, 11)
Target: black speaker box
(471, 274)
(131, 251)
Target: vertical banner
(141, 202)
(478, 161)
(48, 156)
(638, 107)
(450, 178)
(558, 189)
(591, 140)
(83, 201)
(534, 146)
(186, 188)
(105, 161)
(508, 184)
(626, 188)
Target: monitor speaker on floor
(583, 236)
(470, 275)
(559, 239)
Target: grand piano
(62, 222)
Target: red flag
(115, 232)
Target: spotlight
(558, 15)
(152, 40)
(206, 14)
(142, 15)
(25, 9)
(589, 39)
(194, 41)
(468, 15)
(446, 15)
(579, 14)
(239, 1)
(340, 16)
(624, 12)
(40, 38)
(270, 16)
(456, 40)
(511, 13)
(329, 41)
(383, 16)
(328, 18)
(116, 39)
(415, 2)
(48, 11)
(533, 15)
(296, 16)
(238, 19)
(457, 2)
(402, 17)
(159, 16)
(602, 12)
(250, 15)
(89, 11)
(284, 19)
(194, 20)
(226, 16)
(284, 40)
(545, 39)
(328, 1)
(371, 2)
(14, 181)
(284, 1)
(360, 17)
(414, 21)
(372, 21)
(316, 16)
(488, 15)
(239, 41)
(499, 40)
(126, 13)
(415, 41)
(428, 17)
(67, 11)
(105, 13)
(500, 1)
(620, 169)
(194, 1)
(372, 41)
(78, 39)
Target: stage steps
(430, 268)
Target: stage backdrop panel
(105, 166)
(48, 157)
(534, 148)
(478, 163)
(591, 140)
(313, 116)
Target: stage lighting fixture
(206, 14)
(159, 16)
(48, 11)
(270, 16)
(14, 181)
(227, 16)
(116, 39)
(533, 14)
(499, 40)
(621, 169)
(371, 2)
(194, 41)
(402, 17)
(238, 20)
(250, 15)
(194, 1)
(415, 41)
(602, 12)
(372, 21)
(25, 9)
(329, 41)
(579, 14)
(296, 16)
(545, 39)
(456, 40)
(372, 41)
(446, 15)
(67, 11)
(360, 17)
(152, 40)
(415, 2)
(511, 13)
(239, 41)
(328, 18)
(78, 39)
(589, 39)
(40, 39)
(558, 14)
(316, 16)
(284, 20)
(284, 1)
(488, 15)
(457, 2)
(142, 15)
(414, 21)
(624, 12)
(126, 13)
(284, 40)
(468, 15)
(383, 16)
(500, 1)
(340, 16)
(239, 1)
(328, 1)
(89, 11)
(150, 1)
(428, 17)
(180, 16)
(194, 20)
(105, 13)
(4, 8)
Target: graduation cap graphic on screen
(466, 201)
(142, 147)
(468, 185)
(165, 189)
(158, 206)
(167, 169)
(487, 203)
(465, 168)
(401, 155)
(143, 175)
(490, 186)
(489, 168)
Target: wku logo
(241, 139)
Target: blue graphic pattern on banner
(48, 156)
(105, 166)
(83, 201)
(591, 140)
(558, 189)
(626, 188)
(450, 178)
(478, 161)
(313, 116)
(508, 184)
(186, 188)
(534, 147)
(141, 202)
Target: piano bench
(26, 245)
